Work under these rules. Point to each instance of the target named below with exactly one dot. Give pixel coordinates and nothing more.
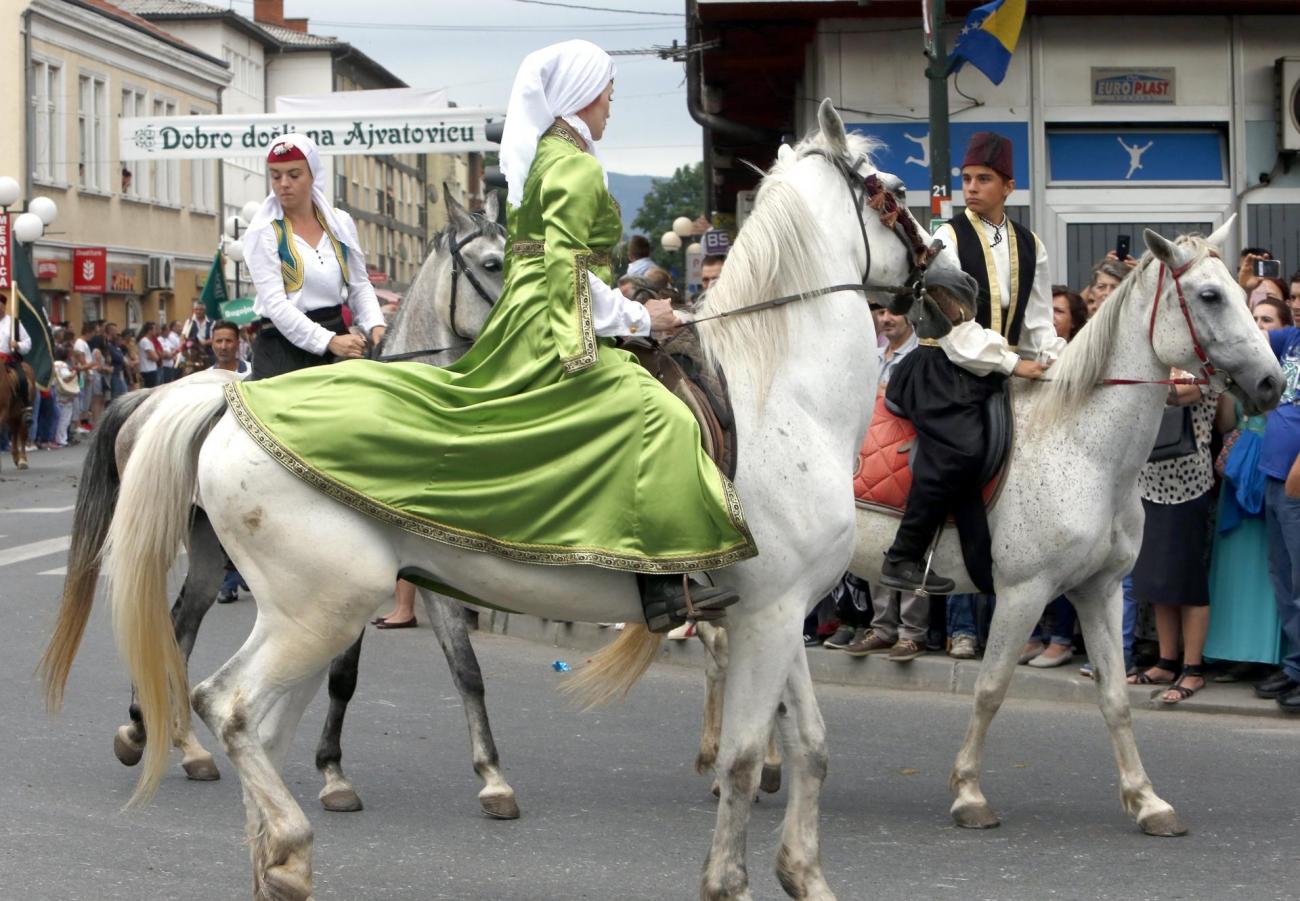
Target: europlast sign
(1133, 85)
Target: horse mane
(1073, 377)
(779, 251)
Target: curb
(933, 672)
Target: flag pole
(937, 72)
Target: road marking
(63, 570)
(35, 549)
(39, 510)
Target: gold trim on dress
(587, 329)
(538, 248)
(560, 130)
(544, 555)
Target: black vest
(970, 253)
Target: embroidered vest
(977, 261)
(291, 264)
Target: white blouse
(613, 315)
(322, 287)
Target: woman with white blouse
(306, 262)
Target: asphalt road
(611, 805)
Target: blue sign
(1136, 156)
(907, 150)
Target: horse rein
(866, 192)
(459, 268)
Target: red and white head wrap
(287, 148)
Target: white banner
(414, 99)
(450, 130)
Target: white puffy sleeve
(361, 294)
(1038, 338)
(264, 266)
(978, 350)
(613, 315)
(24, 340)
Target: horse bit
(459, 268)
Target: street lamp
(26, 228)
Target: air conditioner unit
(162, 273)
(1288, 103)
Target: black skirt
(274, 354)
(1172, 567)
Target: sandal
(1145, 677)
(1180, 691)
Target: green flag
(239, 311)
(31, 313)
(214, 289)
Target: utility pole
(937, 72)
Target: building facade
(142, 235)
(1156, 118)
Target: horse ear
(457, 215)
(832, 127)
(1163, 249)
(784, 152)
(492, 207)
(1219, 238)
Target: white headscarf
(554, 82)
(271, 209)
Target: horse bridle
(459, 268)
(866, 191)
(1208, 372)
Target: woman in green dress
(545, 443)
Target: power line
(601, 9)
(524, 29)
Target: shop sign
(6, 252)
(906, 150)
(90, 270)
(123, 281)
(1154, 85)
(47, 269)
(377, 277)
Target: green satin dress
(543, 443)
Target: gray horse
(439, 318)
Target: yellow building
(154, 225)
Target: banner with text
(451, 130)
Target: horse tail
(615, 668)
(96, 500)
(152, 520)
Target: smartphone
(1122, 245)
(1268, 268)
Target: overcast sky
(472, 47)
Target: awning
(383, 295)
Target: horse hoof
(341, 800)
(22, 464)
(279, 884)
(979, 816)
(201, 770)
(771, 779)
(1164, 824)
(716, 790)
(500, 807)
(127, 751)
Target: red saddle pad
(883, 477)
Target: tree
(681, 194)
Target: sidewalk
(932, 672)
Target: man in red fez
(943, 385)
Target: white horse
(1069, 519)
(802, 389)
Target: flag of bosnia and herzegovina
(989, 37)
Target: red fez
(284, 152)
(987, 148)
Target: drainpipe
(749, 134)
(29, 114)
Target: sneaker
(227, 597)
(963, 648)
(682, 632)
(905, 650)
(842, 638)
(910, 575)
(869, 643)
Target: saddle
(680, 366)
(884, 474)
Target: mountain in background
(630, 192)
